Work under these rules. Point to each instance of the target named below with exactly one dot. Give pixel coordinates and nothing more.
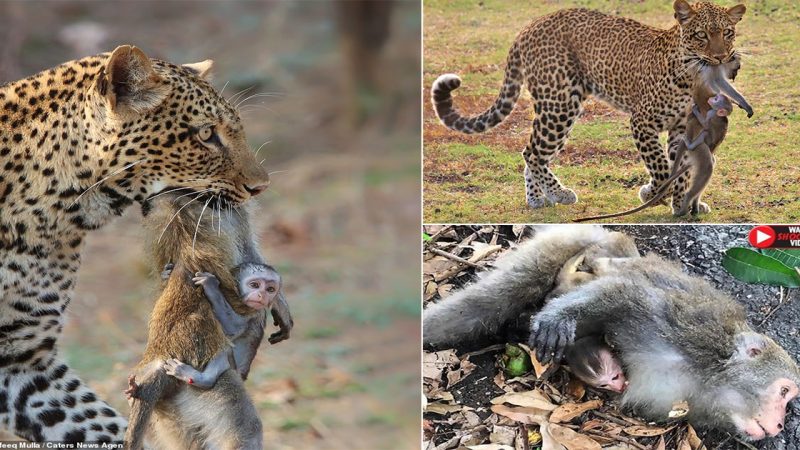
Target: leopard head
(161, 126)
(708, 30)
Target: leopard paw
(564, 196)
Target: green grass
(479, 179)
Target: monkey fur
(183, 327)
(521, 281)
(679, 339)
(706, 127)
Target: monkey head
(721, 104)
(593, 362)
(259, 285)
(757, 383)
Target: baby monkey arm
(203, 379)
(232, 323)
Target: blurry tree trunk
(11, 37)
(363, 31)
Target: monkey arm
(232, 323)
(584, 311)
(205, 379)
(282, 318)
(726, 88)
(691, 145)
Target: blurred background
(340, 129)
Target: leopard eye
(701, 35)
(205, 134)
(728, 33)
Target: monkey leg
(702, 169)
(205, 379)
(46, 401)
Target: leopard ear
(683, 11)
(736, 13)
(202, 68)
(130, 84)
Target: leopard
(79, 143)
(571, 54)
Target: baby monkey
(260, 290)
(593, 361)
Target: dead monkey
(679, 339)
(522, 280)
(593, 361)
(183, 326)
(706, 127)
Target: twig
(488, 349)
(746, 444)
(624, 439)
(611, 418)
(782, 299)
(525, 443)
(439, 233)
(449, 255)
(724, 441)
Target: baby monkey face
(260, 289)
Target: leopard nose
(256, 189)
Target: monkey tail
(521, 280)
(502, 107)
(148, 394)
(656, 198)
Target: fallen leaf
(490, 447)
(646, 430)
(529, 399)
(679, 409)
(538, 368)
(525, 415)
(571, 439)
(569, 411)
(442, 408)
(684, 444)
(662, 445)
(433, 364)
(455, 375)
(444, 290)
(575, 389)
(694, 440)
(503, 435)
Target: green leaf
(790, 257)
(425, 237)
(753, 267)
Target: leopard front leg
(548, 137)
(652, 153)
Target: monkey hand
(551, 337)
(167, 271)
(285, 329)
(133, 388)
(206, 279)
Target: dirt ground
(699, 248)
(339, 221)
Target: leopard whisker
(197, 227)
(116, 172)
(262, 146)
(176, 215)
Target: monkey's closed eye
(616, 377)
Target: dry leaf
(684, 444)
(530, 399)
(538, 368)
(679, 409)
(693, 439)
(646, 430)
(442, 408)
(490, 447)
(433, 364)
(569, 411)
(575, 389)
(455, 375)
(525, 415)
(572, 440)
(444, 290)
(662, 445)
(503, 435)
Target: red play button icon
(762, 236)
